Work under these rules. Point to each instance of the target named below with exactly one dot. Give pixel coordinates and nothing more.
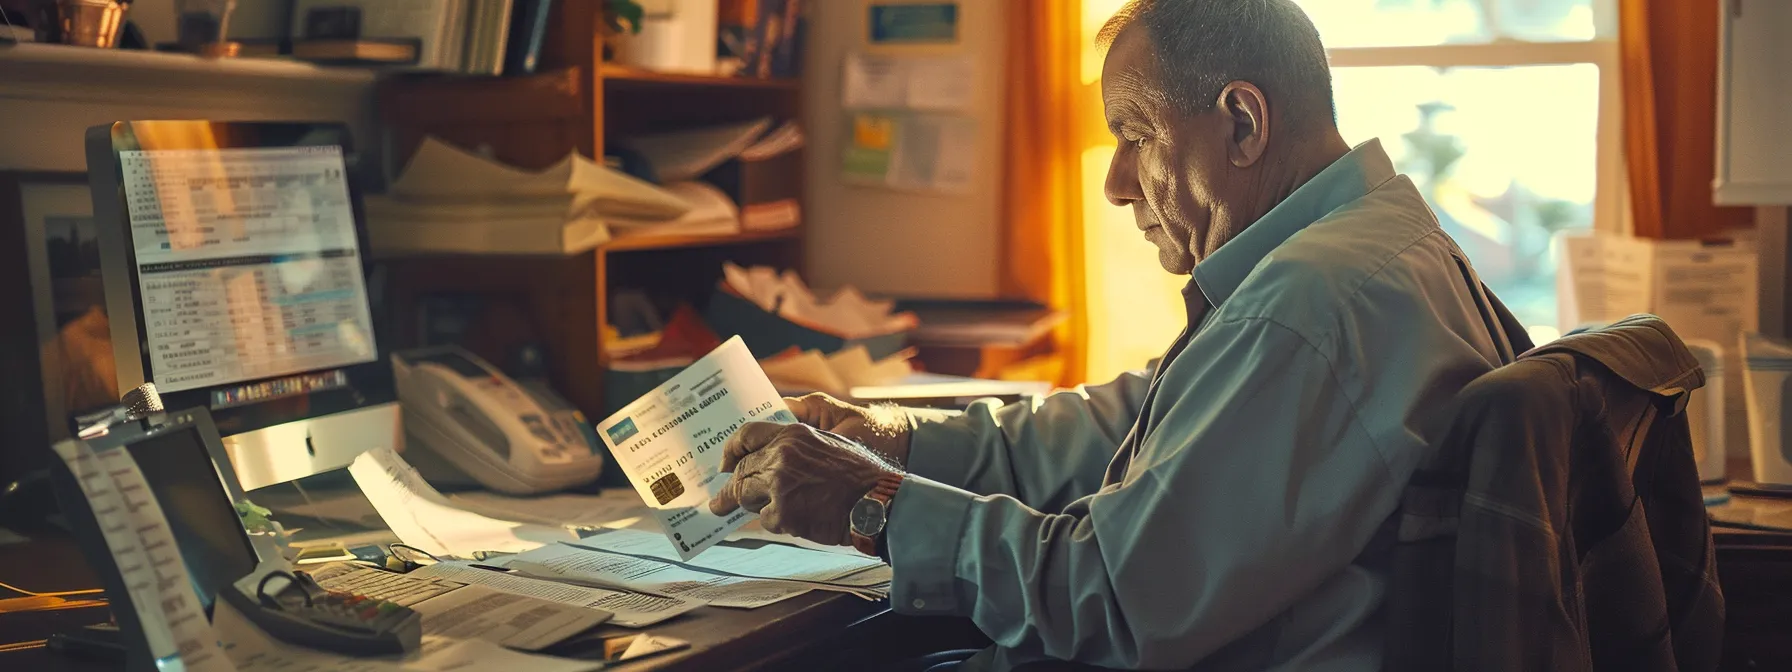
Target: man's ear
(1246, 111)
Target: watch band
(883, 491)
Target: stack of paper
(451, 200)
(423, 518)
(684, 155)
(461, 610)
(711, 213)
(723, 576)
(847, 314)
(838, 374)
(786, 138)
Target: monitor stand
(312, 446)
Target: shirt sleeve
(1045, 451)
(1258, 485)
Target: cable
(66, 593)
(22, 646)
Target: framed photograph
(58, 345)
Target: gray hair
(1202, 45)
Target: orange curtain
(1669, 50)
(1042, 187)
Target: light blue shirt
(1236, 534)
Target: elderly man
(1219, 513)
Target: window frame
(1611, 198)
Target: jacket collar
(1640, 349)
(1349, 178)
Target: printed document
(423, 518)
(148, 557)
(670, 441)
(254, 651)
(630, 610)
(461, 611)
(767, 561)
(565, 562)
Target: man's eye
(1134, 138)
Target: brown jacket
(1560, 524)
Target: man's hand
(884, 429)
(802, 481)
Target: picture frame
(55, 343)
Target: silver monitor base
(312, 446)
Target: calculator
(307, 614)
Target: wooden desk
(793, 634)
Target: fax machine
(464, 421)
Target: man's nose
(1122, 185)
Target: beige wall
(898, 242)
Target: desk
(770, 637)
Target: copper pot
(90, 23)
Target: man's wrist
(877, 503)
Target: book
(528, 32)
(438, 26)
(392, 52)
(488, 32)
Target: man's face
(1170, 168)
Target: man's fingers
(809, 408)
(749, 438)
(747, 490)
(772, 519)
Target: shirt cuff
(940, 449)
(925, 528)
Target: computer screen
(213, 544)
(247, 263)
(235, 268)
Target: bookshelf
(574, 102)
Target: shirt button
(920, 603)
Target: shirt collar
(1349, 178)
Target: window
(1504, 113)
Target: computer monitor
(237, 281)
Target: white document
(148, 557)
(615, 507)
(880, 81)
(423, 518)
(563, 562)
(934, 153)
(254, 651)
(402, 589)
(768, 561)
(440, 172)
(873, 81)
(670, 441)
(516, 621)
(458, 610)
(629, 610)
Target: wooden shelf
(697, 240)
(622, 75)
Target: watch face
(868, 517)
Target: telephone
(464, 419)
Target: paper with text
(564, 562)
(629, 610)
(670, 441)
(148, 557)
(254, 651)
(767, 561)
(458, 610)
(423, 518)
(615, 507)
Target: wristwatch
(872, 512)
